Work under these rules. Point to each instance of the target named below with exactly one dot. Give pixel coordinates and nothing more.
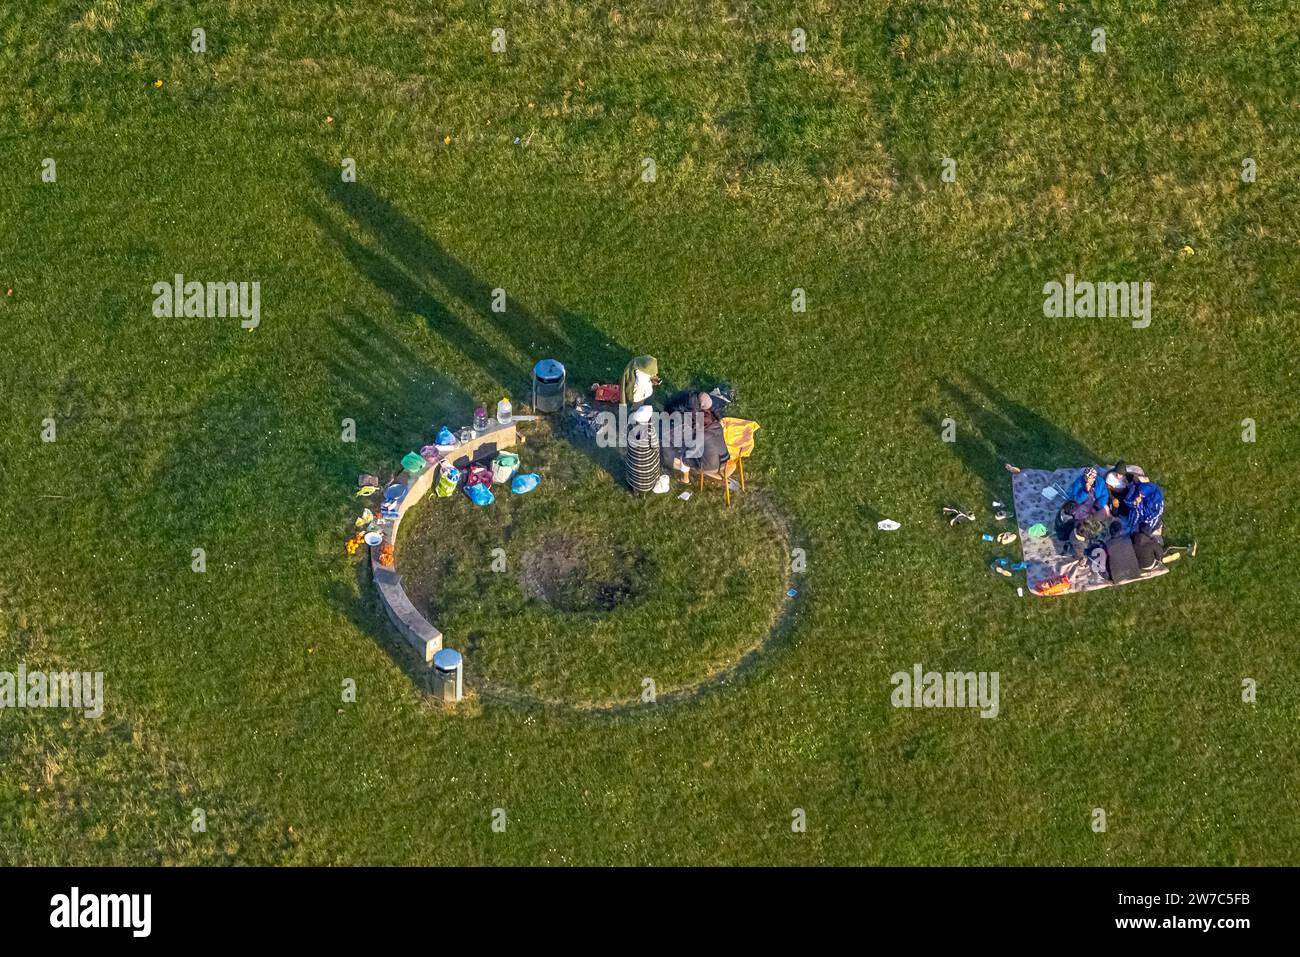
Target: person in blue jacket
(1142, 509)
(1083, 513)
(1088, 489)
(1138, 505)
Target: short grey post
(448, 669)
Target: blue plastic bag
(479, 494)
(524, 483)
(445, 437)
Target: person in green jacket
(639, 379)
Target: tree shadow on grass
(993, 429)
(393, 394)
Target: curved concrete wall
(413, 626)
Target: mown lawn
(775, 170)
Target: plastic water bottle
(503, 411)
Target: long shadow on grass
(388, 388)
(358, 601)
(993, 429)
(420, 276)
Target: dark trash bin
(548, 386)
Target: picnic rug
(1045, 557)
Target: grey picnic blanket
(1045, 556)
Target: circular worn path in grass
(571, 596)
(764, 642)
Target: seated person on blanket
(1088, 493)
(1084, 511)
(1140, 511)
(1118, 478)
(1138, 503)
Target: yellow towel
(739, 436)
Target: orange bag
(1053, 586)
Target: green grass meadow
(522, 171)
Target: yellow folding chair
(739, 436)
(723, 475)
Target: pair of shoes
(1175, 552)
(957, 515)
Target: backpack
(1121, 560)
(1064, 524)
